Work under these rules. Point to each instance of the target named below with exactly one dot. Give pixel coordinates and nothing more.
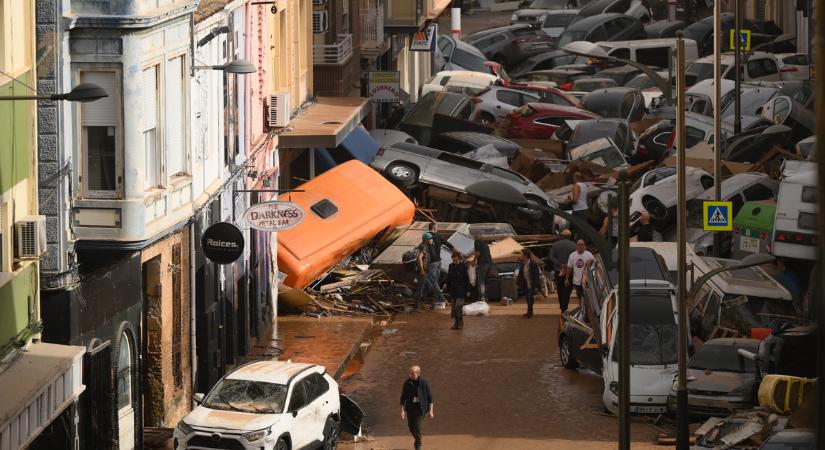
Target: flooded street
(498, 384)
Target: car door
(507, 100)
(302, 417)
(582, 341)
(606, 327)
(318, 404)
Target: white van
(794, 228)
(651, 52)
(458, 81)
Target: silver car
(406, 164)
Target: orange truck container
(344, 208)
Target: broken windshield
(247, 396)
(743, 313)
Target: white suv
(271, 405)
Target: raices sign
(274, 216)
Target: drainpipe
(193, 346)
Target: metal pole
(682, 432)
(455, 19)
(624, 313)
(717, 114)
(819, 45)
(737, 101)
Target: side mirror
(746, 354)
(295, 413)
(198, 398)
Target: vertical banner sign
(424, 40)
(384, 87)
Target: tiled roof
(207, 8)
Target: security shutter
(99, 395)
(175, 113)
(150, 100)
(100, 113)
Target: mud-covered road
(498, 384)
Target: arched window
(124, 372)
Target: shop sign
(222, 243)
(384, 87)
(274, 216)
(424, 40)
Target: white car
(655, 192)
(270, 405)
(653, 347)
(464, 82)
(793, 66)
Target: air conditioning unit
(320, 22)
(30, 233)
(279, 109)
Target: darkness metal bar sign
(274, 216)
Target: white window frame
(184, 121)
(158, 179)
(84, 141)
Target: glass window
(572, 36)
(459, 161)
(598, 34)
(796, 60)
(152, 148)
(124, 373)
(315, 386)
(627, 107)
(558, 20)
(509, 97)
(445, 45)
(623, 53)
(621, 135)
(807, 221)
(469, 61)
(99, 120)
(693, 136)
(299, 396)
(758, 192)
(612, 28)
(552, 120)
(722, 358)
(809, 194)
(247, 396)
(658, 56)
(445, 80)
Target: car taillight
(566, 86)
(672, 139)
(476, 100)
(788, 69)
(380, 151)
(790, 237)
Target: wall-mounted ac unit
(320, 22)
(30, 237)
(279, 109)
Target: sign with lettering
(384, 87)
(424, 40)
(222, 243)
(274, 216)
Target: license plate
(749, 244)
(649, 409)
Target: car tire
(282, 444)
(567, 358)
(487, 119)
(401, 174)
(331, 431)
(656, 209)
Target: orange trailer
(344, 208)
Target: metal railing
(335, 54)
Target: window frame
(185, 153)
(159, 66)
(83, 148)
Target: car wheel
(330, 434)
(657, 210)
(281, 444)
(487, 119)
(567, 359)
(401, 174)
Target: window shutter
(150, 101)
(175, 112)
(101, 112)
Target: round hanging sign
(222, 243)
(274, 216)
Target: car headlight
(184, 428)
(614, 387)
(255, 435)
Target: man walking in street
(559, 254)
(429, 268)
(458, 284)
(577, 264)
(529, 279)
(416, 401)
(483, 262)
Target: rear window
(469, 61)
(558, 20)
(658, 57)
(797, 60)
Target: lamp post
(591, 50)
(624, 313)
(682, 432)
(717, 115)
(238, 67)
(83, 92)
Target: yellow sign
(744, 39)
(717, 216)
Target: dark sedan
(617, 102)
(511, 44)
(617, 130)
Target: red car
(551, 94)
(540, 120)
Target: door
(581, 340)
(302, 416)
(125, 405)
(318, 403)
(97, 377)
(506, 101)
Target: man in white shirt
(576, 264)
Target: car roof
(653, 42)
(667, 250)
(589, 22)
(277, 372)
(752, 281)
(477, 138)
(645, 268)
(557, 12)
(561, 109)
(417, 149)
(735, 183)
(493, 31)
(609, 94)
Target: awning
(36, 388)
(438, 7)
(326, 123)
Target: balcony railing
(372, 28)
(336, 54)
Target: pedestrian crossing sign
(717, 216)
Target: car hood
(203, 417)
(648, 380)
(722, 383)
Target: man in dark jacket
(483, 262)
(416, 401)
(559, 253)
(529, 279)
(458, 284)
(439, 240)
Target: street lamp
(756, 259)
(83, 92)
(238, 67)
(591, 50)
